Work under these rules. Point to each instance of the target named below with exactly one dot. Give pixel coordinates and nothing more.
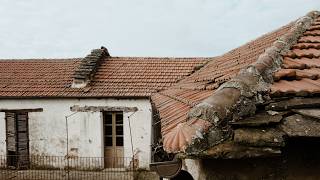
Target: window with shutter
(17, 139)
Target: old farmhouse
(97, 106)
(252, 113)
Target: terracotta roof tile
(185, 133)
(301, 87)
(284, 73)
(301, 67)
(293, 78)
(201, 84)
(309, 39)
(115, 77)
(297, 74)
(306, 45)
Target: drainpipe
(131, 139)
(67, 133)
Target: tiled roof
(197, 96)
(174, 104)
(300, 73)
(115, 76)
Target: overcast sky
(71, 28)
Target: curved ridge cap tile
(183, 134)
(215, 108)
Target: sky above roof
(71, 28)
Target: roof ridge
(252, 40)
(240, 95)
(235, 49)
(40, 59)
(162, 58)
(114, 57)
(135, 79)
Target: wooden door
(17, 139)
(113, 139)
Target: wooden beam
(22, 110)
(77, 108)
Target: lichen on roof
(240, 95)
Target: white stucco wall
(193, 166)
(47, 129)
(2, 140)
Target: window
(17, 139)
(113, 129)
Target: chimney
(88, 66)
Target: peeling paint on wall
(2, 134)
(47, 129)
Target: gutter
(167, 169)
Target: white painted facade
(193, 166)
(47, 129)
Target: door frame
(114, 148)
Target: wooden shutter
(17, 139)
(22, 139)
(11, 132)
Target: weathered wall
(47, 129)
(2, 139)
(194, 167)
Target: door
(113, 139)
(17, 139)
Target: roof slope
(173, 104)
(196, 115)
(115, 76)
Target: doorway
(113, 139)
(17, 135)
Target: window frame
(114, 136)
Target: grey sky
(71, 28)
